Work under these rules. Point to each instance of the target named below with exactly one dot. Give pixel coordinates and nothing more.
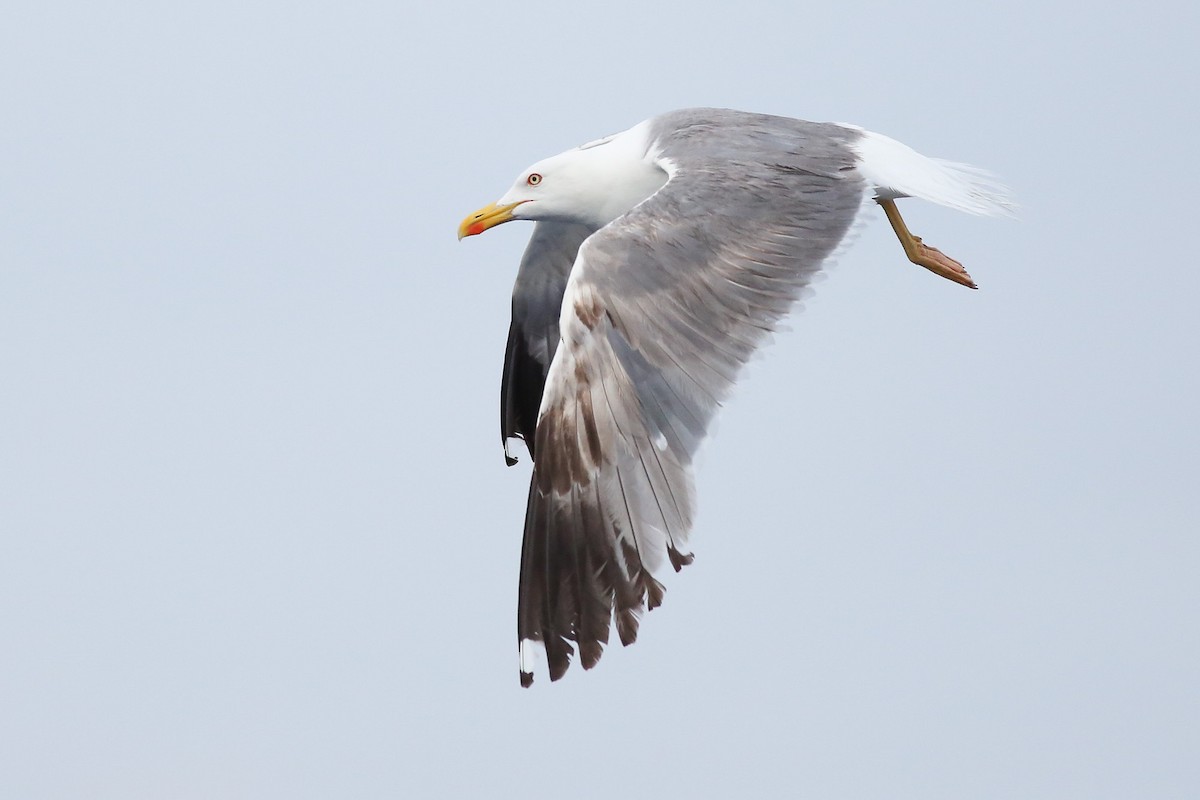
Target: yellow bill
(489, 216)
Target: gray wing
(663, 308)
(533, 333)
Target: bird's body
(661, 259)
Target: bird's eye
(534, 179)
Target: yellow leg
(922, 254)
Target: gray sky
(257, 538)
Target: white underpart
(896, 170)
(529, 653)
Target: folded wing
(533, 334)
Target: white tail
(896, 170)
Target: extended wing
(662, 309)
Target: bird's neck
(620, 172)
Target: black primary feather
(533, 335)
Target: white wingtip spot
(529, 653)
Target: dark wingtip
(655, 592)
(559, 662)
(589, 654)
(509, 460)
(526, 679)
(679, 560)
(627, 626)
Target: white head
(593, 184)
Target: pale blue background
(258, 540)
